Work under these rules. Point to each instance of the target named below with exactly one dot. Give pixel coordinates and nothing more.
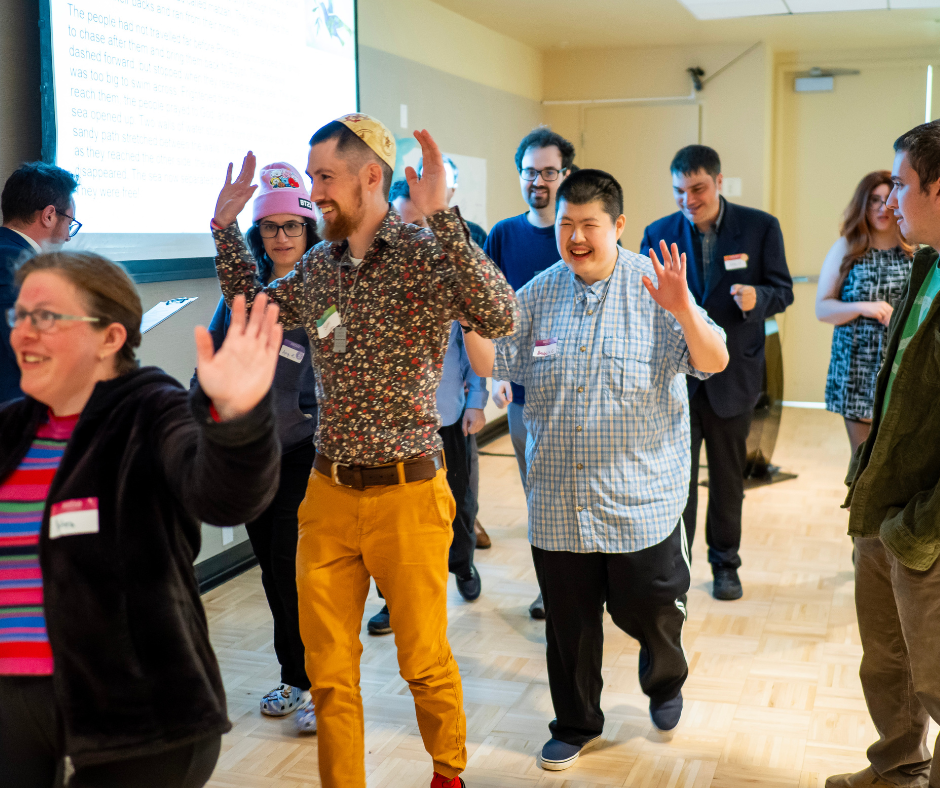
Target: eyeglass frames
(548, 174)
(291, 229)
(74, 225)
(43, 319)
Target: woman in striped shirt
(106, 470)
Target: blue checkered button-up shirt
(607, 413)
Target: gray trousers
(518, 436)
(899, 621)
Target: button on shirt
(608, 427)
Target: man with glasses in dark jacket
(38, 214)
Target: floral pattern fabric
(377, 400)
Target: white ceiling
(553, 24)
(731, 9)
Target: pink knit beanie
(281, 190)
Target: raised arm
(707, 350)
(829, 307)
(234, 262)
(476, 289)
(219, 451)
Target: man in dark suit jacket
(38, 213)
(738, 272)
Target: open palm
(672, 293)
(429, 194)
(235, 194)
(238, 375)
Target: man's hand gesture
(673, 291)
(239, 374)
(429, 194)
(235, 194)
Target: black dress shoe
(727, 585)
(470, 586)
(379, 624)
(665, 715)
(537, 609)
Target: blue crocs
(306, 719)
(282, 701)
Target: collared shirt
(36, 247)
(705, 244)
(460, 387)
(607, 413)
(377, 400)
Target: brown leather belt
(360, 476)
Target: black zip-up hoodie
(134, 672)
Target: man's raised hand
(429, 194)
(238, 375)
(672, 294)
(235, 194)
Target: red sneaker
(440, 781)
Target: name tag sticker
(733, 262)
(74, 517)
(327, 322)
(545, 347)
(292, 351)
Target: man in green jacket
(894, 499)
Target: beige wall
(735, 107)
(426, 33)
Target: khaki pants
(400, 535)
(899, 621)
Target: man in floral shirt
(377, 298)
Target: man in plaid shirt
(603, 343)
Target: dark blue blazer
(743, 231)
(12, 249)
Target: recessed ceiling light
(728, 9)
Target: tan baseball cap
(373, 133)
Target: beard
(537, 199)
(344, 221)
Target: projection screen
(146, 101)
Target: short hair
(922, 146)
(693, 158)
(544, 137)
(107, 290)
(349, 145)
(586, 186)
(34, 187)
(399, 189)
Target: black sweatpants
(645, 594)
(29, 748)
(726, 450)
(458, 456)
(273, 537)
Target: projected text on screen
(152, 99)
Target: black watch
(466, 329)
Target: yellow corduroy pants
(400, 535)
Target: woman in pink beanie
(283, 229)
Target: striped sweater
(24, 644)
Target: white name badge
(71, 518)
(293, 351)
(545, 348)
(734, 262)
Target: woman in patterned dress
(861, 281)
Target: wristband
(466, 329)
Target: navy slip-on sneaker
(558, 755)
(665, 716)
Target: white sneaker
(282, 701)
(306, 719)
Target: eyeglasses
(291, 229)
(548, 174)
(877, 203)
(74, 226)
(43, 319)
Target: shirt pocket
(544, 373)
(626, 372)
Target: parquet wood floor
(773, 697)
